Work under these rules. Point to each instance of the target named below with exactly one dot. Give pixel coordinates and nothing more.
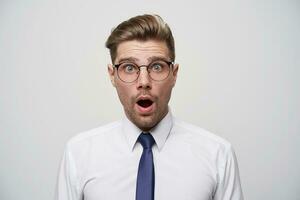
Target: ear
(111, 73)
(174, 73)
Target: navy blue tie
(145, 177)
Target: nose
(144, 80)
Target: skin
(159, 91)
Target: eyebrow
(153, 58)
(150, 59)
(130, 59)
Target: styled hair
(142, 28)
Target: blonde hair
(141, 27)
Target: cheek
(125, 95)
(164, 94)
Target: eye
(128, 68)
(157, 67)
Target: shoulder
(200, 138)
(196, 132)
(98, 134)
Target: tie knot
(146, 140)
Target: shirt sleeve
(67, 182)
(229, 186)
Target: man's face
(145, 101)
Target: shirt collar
(160, 132)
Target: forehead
(142, 50)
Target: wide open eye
(158, 66)
(128, 68)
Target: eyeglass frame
(170, 64)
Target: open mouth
(145, 103)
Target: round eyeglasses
(129, 72)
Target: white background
(239, 78)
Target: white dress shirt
(190, 164)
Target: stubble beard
(146, 123)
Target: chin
(146, 123)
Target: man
(149, 154)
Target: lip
(142, 110)
(144, 97)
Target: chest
(177, 176)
